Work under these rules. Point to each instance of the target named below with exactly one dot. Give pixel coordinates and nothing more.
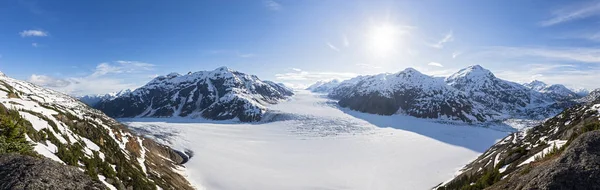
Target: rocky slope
(324, 86)
(408, 92)
(41, 122)
(561, 153)
(220, 94)
(473, 94)
(26, 172)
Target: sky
(94, 47)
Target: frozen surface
(309, 143)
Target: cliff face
(26, 172)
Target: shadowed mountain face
(220, 94)
(472, 95)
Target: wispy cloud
(247, 55)
(48, 81)
(272, 5)
(296, 69)
(586, 55)
(33, 33)
(306, 76)
(106, 77)
(34, 44)
(554, 73)
(436, 64)
(456, 54)
(573, 13)
(449, 37)
(368, 66)
(345, 39)
(121, 67)
(235, 53)
(331, 46)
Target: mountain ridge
(219, 94)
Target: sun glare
(383, 39)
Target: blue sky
(85, 47)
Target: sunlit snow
(310, 143)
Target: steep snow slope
(310, 143)
(324, 86)
(219, 94)
(67, 131)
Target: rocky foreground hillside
(473, 95)
(27, 172)
(220, 94)
(38, 122)
(561, 153)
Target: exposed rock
(26, 172)
(577, 168)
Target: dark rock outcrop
(577, 168)
(26, 172)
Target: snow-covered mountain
(581, 91)
(561, 153)
(408, 92)
(219, 94)
(473, 94)
(66, 130)
(94, 99)
(557, 92)
(510, 99)
(592, 96)
(324, 86)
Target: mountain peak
(410, 70)
(475, 72)
(224, 69)
(2, 74)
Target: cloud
(33, 33)
(368, 66)
(230, 53)
(331, 46)
(296, 69)
(456, 54)
(435, 64)
(272, 5)
(247, 55)
(313, 76)
(34, 44)
(449, 37)
(48, 81)
(346, 42)
(573, 13)
(121, 67)
(106, 77)
(572, 76)
(586, 55)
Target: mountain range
(219, 94)
(473, 95)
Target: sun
(383, 39)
